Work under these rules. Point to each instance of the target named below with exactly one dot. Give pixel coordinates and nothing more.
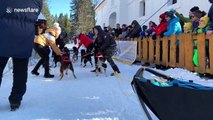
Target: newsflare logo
(21, 10)
(9, 10)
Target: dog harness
(66, 59)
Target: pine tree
(86, 16)
(74, 14)
(46, 13)
(82, 15)
(65, 23)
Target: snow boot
(48, 76)
(46, 71)
(99, 70)
(35, 73)
(114, 74)
(14, 107)
(116, 70)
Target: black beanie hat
(170, 14)
(195, 8)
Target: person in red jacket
(162, 27)
(86, 41)
(88, 44)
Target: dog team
(102, 48)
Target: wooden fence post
(172, 49)
(211, 53)
(165, 51)
(201, 44)
(181, 50)
(139, 58)
(141, 49)
(151, 50)
(157, 51)
(145, 50)
(189, 52)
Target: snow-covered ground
(89, 97)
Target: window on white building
(142, 10)
(172, 2)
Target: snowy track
(89, 97)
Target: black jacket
(118, 32)
(104, 40)
(17, 30)
(210, 15)
(135, 33)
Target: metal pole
(154, 13)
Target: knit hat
(162, 16)
(144, 27)
(187, 27)
(194, 8)
(57, 27)
(170, 14)
(205, 21)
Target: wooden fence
(177, 51)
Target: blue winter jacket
(210, 15)
(173, 27)
(17, 30)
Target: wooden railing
(177, 51)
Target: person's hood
(98, 27)
(163, 16)
(205, 20)
(135, 23)
(174, 20)
(63, 35)
(187, 27)
(169, 14)
(144, 27)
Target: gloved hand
(61, 55)
(99, 54)
(153, 33)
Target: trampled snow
(89, 97)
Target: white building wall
(123, 12)
(128, 10)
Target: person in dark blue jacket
(210, 15)
(17, 18)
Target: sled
(172, 99)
